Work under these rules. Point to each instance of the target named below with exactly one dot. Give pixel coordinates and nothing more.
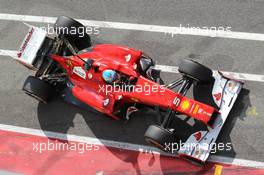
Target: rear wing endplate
(30, 46)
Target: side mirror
(88, 64)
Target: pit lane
(245, 126)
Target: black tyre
(192, 160)
(38, 89)
(68, 28)
(195, 70)
(159, 137)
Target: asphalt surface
(244, 128)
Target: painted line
(122, 145)
(173, 69)
(236, 75)
(29, 154)
(140, 27)
(11, 53)
(235, 161)
(218, 170)
(91, 140)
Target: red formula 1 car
(117, 80)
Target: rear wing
(30, 47)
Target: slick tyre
(38, 89)
(73, 31)
(195, 70)
(158, 137)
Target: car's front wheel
(195, 70)
(159, 137)
(38, 89)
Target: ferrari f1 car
(112, 79)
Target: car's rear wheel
(38, 89)
(159, 137)
(195, 70)
(73, 31)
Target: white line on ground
(121, 145)
(140, 27)
(173, 69)
(236, 75)
(11, 53)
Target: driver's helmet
(110, 76)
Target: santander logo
(25, 43)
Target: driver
(111, 76)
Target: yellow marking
(218, 169)
(252, 111)
(185, 105)
(196, 109)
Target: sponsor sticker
(232, 86)
(80, 72)
(24, 45)
(185, 105)
(176, 101)
(128, 57)
(218, 96)
(196, 109)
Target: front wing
(225, 92)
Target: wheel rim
(155, 143)
(196, 79)
(35, 96)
